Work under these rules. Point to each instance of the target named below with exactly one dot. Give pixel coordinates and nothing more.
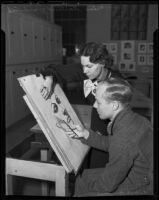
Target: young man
(96, 62)
(129, 143)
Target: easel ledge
(36, 170)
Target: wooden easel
(43, 169)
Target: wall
(3, 17)
(24, 54)
(152, 24)
(42, 11)
(98, 19)
(99, 22)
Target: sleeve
(52, 70)
(109, 178)
(97, 140)
(63, 73)
(48, 70)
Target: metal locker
(59, 42)
(8, 98)
(27, 39)
(52, 43)
(17, 96)
(13, 39)
(37, 38)
(45, 41)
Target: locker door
(8, 98)
(27, 71)
(56, 41)
(59, 42)
(27, 39)
(37, 35)
(53, 43)
(45, 42)
(50, 42)
(18, 103)
(13, 39)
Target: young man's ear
(115, 105)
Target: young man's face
(104, 108)
(91, 70)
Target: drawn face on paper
(54, 107)
(60, 113)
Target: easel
(44, 169)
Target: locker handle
(35, 37)
(25, 35)
(44, 38)
(14, 72)
(26, 70)
(12, 32)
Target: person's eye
(88, 66)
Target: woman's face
(91, 70)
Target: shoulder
(131, 126)
(115, 74)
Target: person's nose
(85, 69)
(95, 104)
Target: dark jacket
(130, 150)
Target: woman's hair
(97, 52)
(117, 89)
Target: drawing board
(55, 117)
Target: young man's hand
(46, 87)
(78, 132)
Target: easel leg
(9, 184)
(44, 186)
(61, 187)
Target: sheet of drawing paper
(55, 116)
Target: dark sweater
(130, 150)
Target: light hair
(117, 90)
